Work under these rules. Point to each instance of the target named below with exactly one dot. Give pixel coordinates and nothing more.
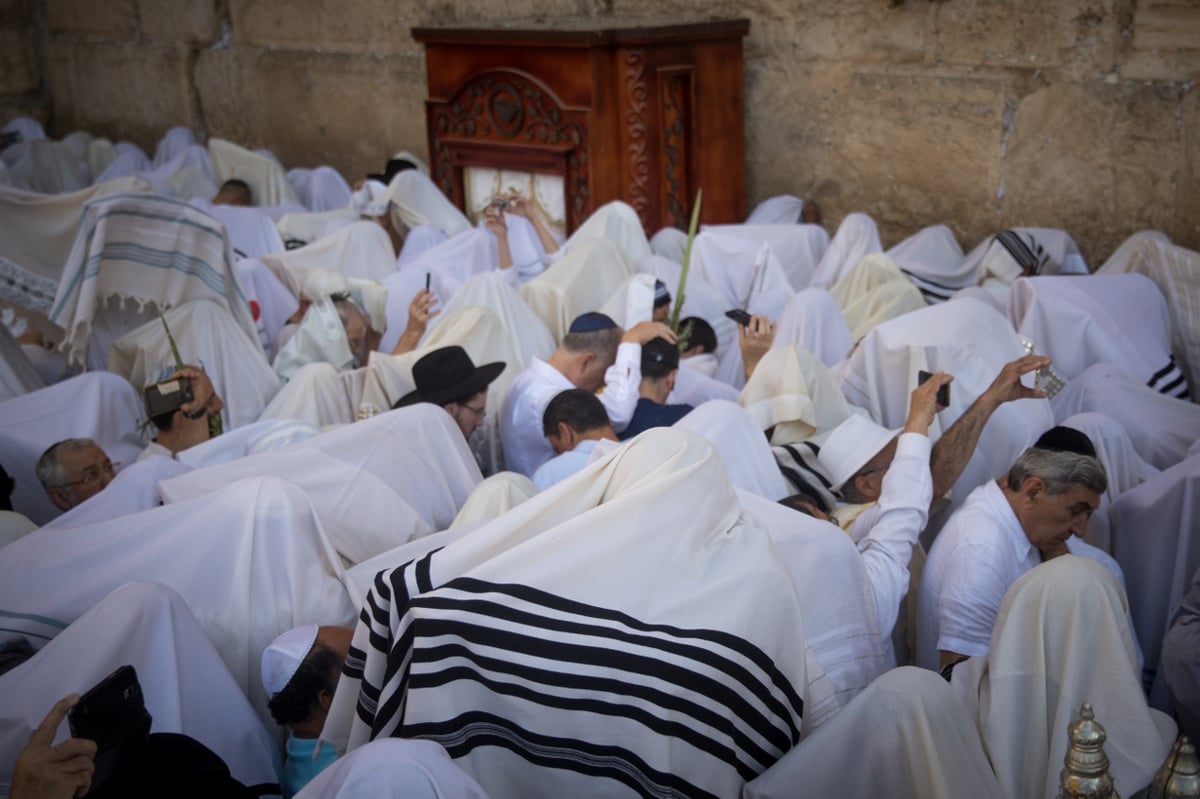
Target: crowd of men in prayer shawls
(382, 497)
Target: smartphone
(500, 203)
(739, 316)
(943, 395)
(427, 281)
(113, 714)
(168, 396)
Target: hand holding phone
(113, 714)
(739, 316)
(943, 394)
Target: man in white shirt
(573, 422)
(885, 535)
(594, 354)
(1005, 528)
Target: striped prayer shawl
(1170, 380)
(568, 686)
(1025, 250)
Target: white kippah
(850, 446)
(284, 656)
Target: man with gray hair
(73, 470)
(1005, 528)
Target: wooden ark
(642, 114)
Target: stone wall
(982, 114)
(21, 37)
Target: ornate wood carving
(675, 88)
(508, 108)
(637, 92)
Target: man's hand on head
(643, 332)
(1008, 386)
(924, 405)
(43, 771)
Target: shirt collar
(1014, 533)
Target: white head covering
(173, 143)
(419, 202)
(360, 249)
(743, 448)
(452, 263)
(284, 655)
(813, 320)
(850, 446)
(275, 302)
(29, 128)
(669, 243)
(618, 223)
(320, 189)
(590, 272)
(933, 259)
(264, 175)
(856, 238)
(874, 291)
(792, 392)
(799, 248)
(251, 232)
(418, 240)
(782, 209)
(633, 302)
(494, 497)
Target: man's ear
(671, 379)
(59, 497)
(324, 699)
(1032, 488)
(567, 436)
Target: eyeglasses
(480, 412)
(93, 475)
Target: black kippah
(1066, 439)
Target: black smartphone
(113, 714)
(168, 396)
(427, 281)
(739, 316)
(943, 395)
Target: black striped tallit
(1170, 380)
(1025, 250)
(473, 664)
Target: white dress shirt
(886, 532)
(525, 445)
(563, 465)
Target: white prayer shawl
(275, 302)
(206, 336)
(250, 564)
(633, 302)
(1000, 259)
(401, 287)
(740, 444)
(38, 233)
(782, 209)
(189, 176)
(933, 259)
(998, 300)
(1083, 320)
(964, 338)
(792, 395)
(374, 484)
(1154, 540)
(874, 291)
(265, 177)
(252, 233)
(413, 159)
(856, 238)
(453, 262)
(134, 490)
(812, 320)
(524, 245)
(313, 395)
(308, 227)
(1174, 270)
(694, 387)
(742, 271)
(1061, 639)
(669, 243)
(699, 299)
(419, 202)
(17, 374)
(1161, 428)
(912, 739)
(186, 686)
(173, 143)
(619, 224)
(96, 405)
(157, 252)
(1123, 467)
(486, 339)
(128, 162)
(13, 525)
(527, 336)
(394, 768)
(360, 249)
(28, 128)
(45, 166)
(711, 696)
(251, 439)
(101, 153)
(418, 240)
(320, 189)
(835, 602)
(590, 272)
(494, 497)
(799, 248)
(78, 142)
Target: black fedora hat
(448, 374)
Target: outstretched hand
(924, 405)
(43, 771)
(754, 340)
(1008, 386)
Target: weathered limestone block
(18, 64)
(14, 12)
(171, 21)
(1187, 202)
(1166, 42)
(309, 109)
(121, 91)
(113, 20)
(1095, 160)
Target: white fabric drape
(186, 686)
(874, 291)
(590, 272)
(619, 224)
(453, 262)
(856, 238)
(394, 768)
(933, 259)
(374, 484)
(813, 320)
(669, 243)
(265, 177)
(494, 497)
(741, 445)
(133, 490)
(793, 393)
(1061, 639)
(174, 142)
(251, 232)
(250, 566)
(97, 405)
(360, 249)
(17, 374)
(320, 189)
(419, 202)
(276, 303)
(799, 248)
(782, 209)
